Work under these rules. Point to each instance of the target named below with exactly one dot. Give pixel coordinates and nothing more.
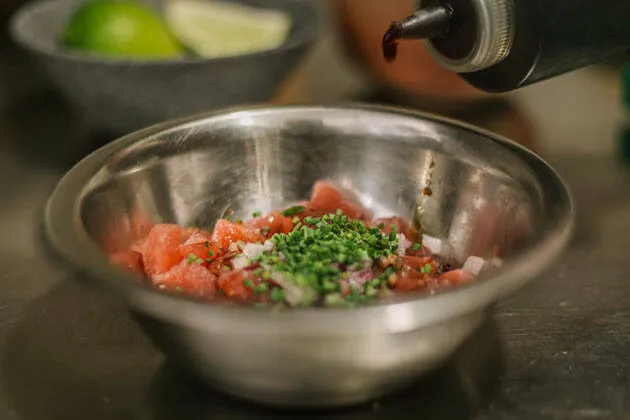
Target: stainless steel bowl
(490, 196)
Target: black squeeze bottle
(502, 45)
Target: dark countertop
(557, 350)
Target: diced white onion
(293, 293)
(252, 250)
(269, 246)
(433, 244)
(403, 244)
(474, 265)
(495, 262)
(239, 262)
(359, 278)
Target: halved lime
(120, 28)
(217, 29)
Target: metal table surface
(557, 350)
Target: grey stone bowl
(119, 96)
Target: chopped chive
(261, 288)
(316, 251)
(207, 244)
(416, 247)
(277, 295)
(226, 268)
(265, 230)
(248, 283)
(256, 214)
(239, 221)
(293, 210)
(191, 258)
(211, 253)
(428, 268)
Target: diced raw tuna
(161, 249)
(191, 279)
(232, 283)
(419, 262)
(199, 244)
(188, 232)
(226, 232)
(129, 260)
(456, 277)
(271, 224)
(328, 198)
(409, 278)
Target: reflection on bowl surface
(490, 197)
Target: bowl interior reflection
(484, 200)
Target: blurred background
(576, 113)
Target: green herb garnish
(261, 288)
(426, 269)
(311, 254)
(416, 247)
(256, 214)
(277, 295)
(293, 210)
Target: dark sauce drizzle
(390, 41)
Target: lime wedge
(120, 28)
(218, 29)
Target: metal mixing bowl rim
(304, 36)
(69, 240)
